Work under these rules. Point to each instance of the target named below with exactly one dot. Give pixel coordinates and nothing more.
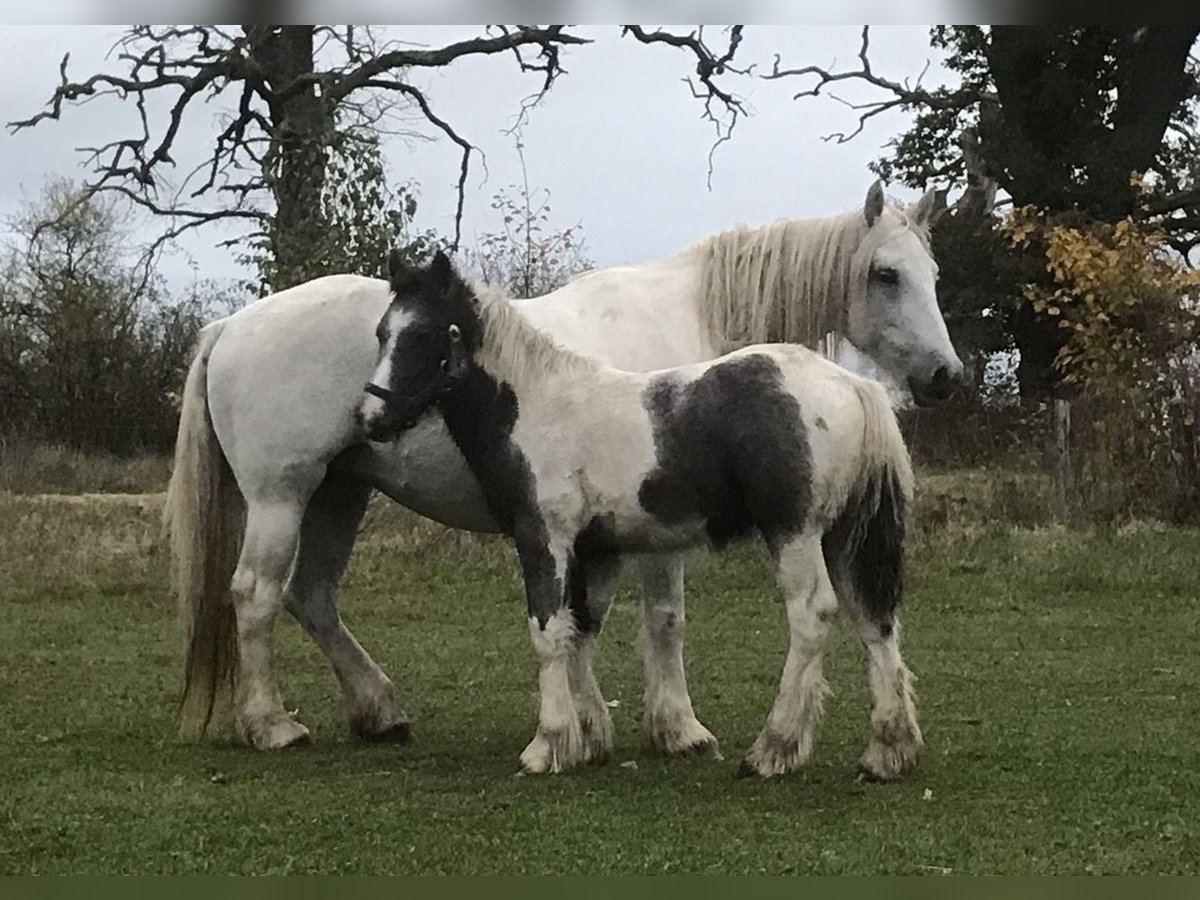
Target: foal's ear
(930, 207)
(441, 270)
(873, 208)
(396, 266)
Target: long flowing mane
(791, 281)
(515, 350)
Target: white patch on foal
(372, 408)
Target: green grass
(1058, 693)
(28, 467)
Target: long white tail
(203, 520)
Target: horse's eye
(885, 275)
(380, 334)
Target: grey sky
(619, 142)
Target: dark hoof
(745, 770)
(869, 777)
(400, 733)
(705, 750)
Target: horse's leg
(590, 602)
(326, 540)
(785, 743)
(895, 735)
(268, 549)
(558, 744)
(670, 720)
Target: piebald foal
(581, 463)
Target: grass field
(1058, 692)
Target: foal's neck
(517, 353)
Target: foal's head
(426, 340)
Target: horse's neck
(786, 281)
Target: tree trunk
(294, 165)
(1047, 150)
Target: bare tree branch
(904, 94)
(448, 130)
(545, 38)
(708, 67)
(288, 100)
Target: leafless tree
(292, 92)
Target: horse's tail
(203, 522)
(868, 537)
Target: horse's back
(635, 318)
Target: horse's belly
(424, 470)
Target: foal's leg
(269, 547)
(558, 744)
(896, 740)
(590, 603)
(895, 735)
(785, 743)
(326, 539)
(670, 721)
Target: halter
(382, 393)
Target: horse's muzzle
(938, 389)
(390, 424)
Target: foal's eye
(380, 334)
(885, 275)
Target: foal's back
(760, 440)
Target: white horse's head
(896, 320)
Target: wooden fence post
(1062, 443)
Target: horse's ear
(441, 269)
(396, 265)
(873, 208)
(930, 207)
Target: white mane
(791, 281)
(516, 351)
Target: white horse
(272, 474)
(581, 463)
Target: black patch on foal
(732, 451)
(596, 544)
(480, 413)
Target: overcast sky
(619, 142)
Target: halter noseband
(382, 393)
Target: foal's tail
(203, 521)
(868, 537)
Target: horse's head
(896, 320)
(426, 341)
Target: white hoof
(682, 736)
(274, 732)
(773, 754)
(596, 732)
(551, 752)
(888, 762)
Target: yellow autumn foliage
(1127, 302)
(1131, 308)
